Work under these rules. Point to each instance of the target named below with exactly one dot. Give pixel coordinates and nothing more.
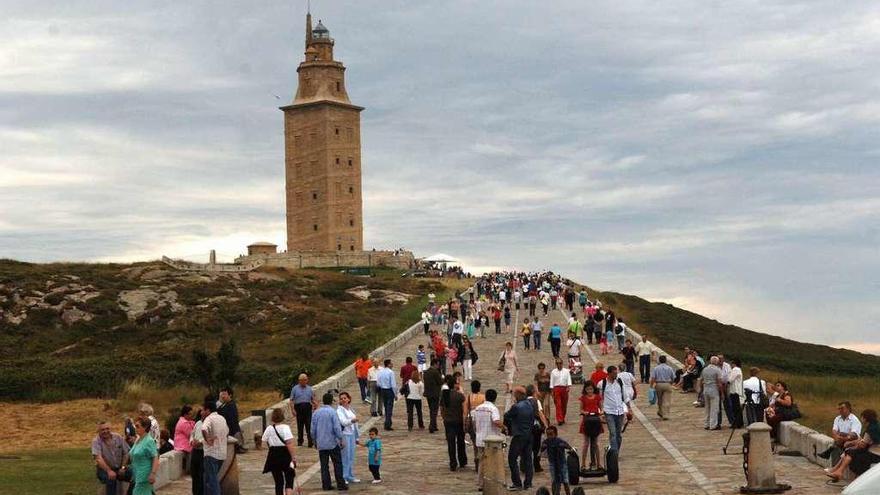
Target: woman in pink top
(183, 429)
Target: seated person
(846, 427)
(110, 452)
(782, 408)
(165, 442)
(860, 454)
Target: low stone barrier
(792, 435)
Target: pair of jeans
(455, 445)
(536, 336)
(362, 383)
(468, 367)
(374, 470)
(303, 421)
(348, 456)
(375, 399)
(554, 346)
(615, 427)
(527, 340)
(113, 485)
(621, 342)
(433, 409)
(520, 452)
(387, 402)
(325, 456)
(211, 475)
(630, 367)
(414, 404)
(645, 368)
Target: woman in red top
(591, 425)
(598, 375)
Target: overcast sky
(721, 156)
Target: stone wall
(214, 267)
(304, 259)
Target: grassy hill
(85, 330)
(819, 376)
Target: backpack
(605, 382)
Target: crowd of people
(440, 375)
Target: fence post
(492, 466)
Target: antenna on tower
(308, 6)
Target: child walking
(374, 454)
(421, 359)
(603, 345)
(556, 450)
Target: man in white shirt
(487, 421)
(614, 406)
(735, 393)
(725, 400)
(574, 344)
(629, 382)
(846, 427)
(517, 298)
(457, 332)
(560, 384)
(426, 320)
(215, 431)
(754, 389)
(644, 350)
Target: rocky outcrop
(138, 302)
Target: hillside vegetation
(85, 330)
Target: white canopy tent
(441, 258)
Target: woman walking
(348, 420)
(509, 365)
(144, 458)
(281, 459)
(469, 358)
(591, 426)
(414, 399)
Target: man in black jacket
(227, 408)
(433, 382)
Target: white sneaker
(356, 480)
(376, 482)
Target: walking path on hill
(657, 457)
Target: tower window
(339, 247)
(349, 162)
(338, 87)
(337, 131)
(350, 190)
(351, 248)
(315, 227)
(315, 196)
(351, 223)
(337, 160)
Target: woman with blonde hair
(146, 411)
(281, 459)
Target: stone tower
(322, 148)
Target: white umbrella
(440, 258)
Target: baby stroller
(576, 369)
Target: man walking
(614, 406)
(645, 349)
(560, 383)
(486, 419)
(302, 402)
(711, 379)
(327, 432)
(537, 329)
(519, 420)
(661, 381)
(387, 385)
(433, 384)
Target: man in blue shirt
(387, 386)
(555, 339)
(302, 402)
(519, 420)
(327, 432)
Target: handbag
(468, 421)
(502, 363)
(652, 396)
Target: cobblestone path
(657, 457)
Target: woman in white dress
(348, 420)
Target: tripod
(748, 413)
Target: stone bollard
(493, 472)
(761, 476)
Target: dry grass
(71, 424)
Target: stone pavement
(657, 457)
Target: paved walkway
(657, 457)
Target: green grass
(41, 472)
